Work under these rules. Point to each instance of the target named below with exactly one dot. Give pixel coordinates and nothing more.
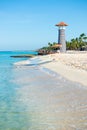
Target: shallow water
(34, 98)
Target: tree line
(78, 43)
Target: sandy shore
(71, 65)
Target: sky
(30, 24)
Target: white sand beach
(71, 65)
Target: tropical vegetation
(78, 43)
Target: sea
(35, 98)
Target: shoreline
(73, 72)
(49, 98)
(71, 65)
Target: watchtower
(61, 36)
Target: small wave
(32, 61)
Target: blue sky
(30, 24)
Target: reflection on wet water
(42, 101)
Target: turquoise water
(12, 116)
(34, 98)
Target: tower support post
(61, 40)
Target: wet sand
(51, 101)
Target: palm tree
(85, 39)
(82, 40)
(50, 44)
(82, 35)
